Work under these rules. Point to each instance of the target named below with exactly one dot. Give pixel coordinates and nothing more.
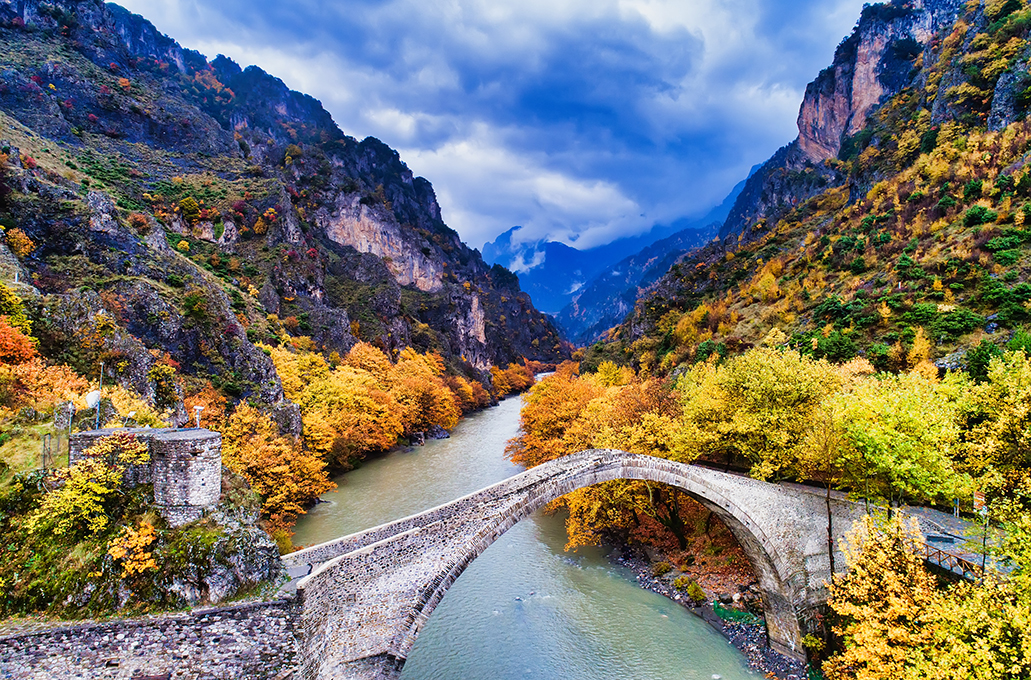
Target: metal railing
(953, 563)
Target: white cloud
(484, 188)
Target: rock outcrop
(883, 56)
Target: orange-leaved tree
(287, 477)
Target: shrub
(836, 347)
(695, 592)
(956, 323)
(979, 215)
(980, 357)
(140, 223)
(20, 243)
(661, 568)
(183, 246)
(1021, 341)
(1007, 257)
(15, 346)
(190, 209)
(682, 583)
(972, 190)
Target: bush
(955, 324)
(682, 583)
(1007, 257)
(972, 191)
(661, 569)
(190, 209)
(20, 243)
(979, 215)
(140, 223)
(836, 347)
(979, 357)
(1021, 341)
(695, 592)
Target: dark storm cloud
(581, 120)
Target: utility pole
(101, 391)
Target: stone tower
(185, 468)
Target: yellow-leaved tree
(885, 602)
(85, 502)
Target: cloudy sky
(581, 120)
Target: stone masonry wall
(368, 595)
(243, 642)
(186, 467)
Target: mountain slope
(609, 297)
(606, 300)
(197, 208)
(894, 228)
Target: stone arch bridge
(366, 596)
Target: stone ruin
(185, 468)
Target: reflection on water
(525, 608)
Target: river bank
(749, 638)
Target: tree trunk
(672, 519)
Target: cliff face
(883, 56)
(877, 61)
(208, 208)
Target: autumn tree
(84, 503)
(757, 406)
(998, 423)
(884, 601)
(550, 409)
(15, 346)
(900, 437)
(287, 477)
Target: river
(525, 608)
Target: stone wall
(243, 642)
(367, 596)
(185, 468)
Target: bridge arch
(369, 595)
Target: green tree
(900, 435)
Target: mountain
(610, 296)
(168, 208)
(549, 271)
(893, 227)
(555, 274)
(607, 299)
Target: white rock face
(372, 229)
(472, 335)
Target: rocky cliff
(883, 56)
(198, 208)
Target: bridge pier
(369, 595)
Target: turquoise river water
(525, 608)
